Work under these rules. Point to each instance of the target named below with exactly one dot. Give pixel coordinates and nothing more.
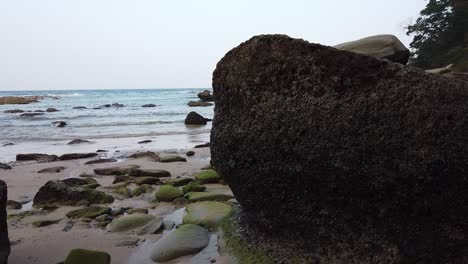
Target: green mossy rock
(129, 223)
(89, 212)
(146, 180)
(207, 214)
(208, 196)
(41, 223)
(84, 256)
(167, 193)
(123, 192)
(172, 158)
(193, 187)
(145, 188)
(179, 181)
(90, 180)
(187, 239)
(208, 176)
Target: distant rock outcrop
(381, 46)
(205, 96)
(339, 157)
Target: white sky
(117, 44)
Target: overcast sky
(117, 44)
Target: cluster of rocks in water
(205, 99)
(340, 157)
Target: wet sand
(50, 244)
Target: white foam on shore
(159, 143)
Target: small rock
(208, 176)
(122, 170)
(146, 180)
(117, 211)
(78, 141)
(68, 225)
(145, 141)
(72, 156)
(123, 193)
(167, 193)
(148, 154)
(49, 110)
(101, 150)
(8, 144)
(36, 157)
(52, 170)
(103, 218)
(31, 114)
(199, 103)
(206, 145)
(208, 196)
(207, 214)
(150, 173)
(187, 239)
(172, 158)
(42, 223)
(13, 111)
(99, 161)
(117, 105)
(130, 223)
(179, 181)
(13, 205)
(149, 105)
(121, 178)
(190, 153)
(206, 96)
(82, 256)
(193, 187)
(59, 123)
(4, 166)
(193, 118)
(79, 107)
(150, 228)
(89, 212)
(144, 188)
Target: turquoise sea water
(129, 121)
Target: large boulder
(380, 46)
(4, 240)
(337, 154)
(61, 193)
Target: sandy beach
(51, 244)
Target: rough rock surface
(380, 46)
(4, 240)
(36, 157)
(364, 159)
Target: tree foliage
(441, 35)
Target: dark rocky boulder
(342, 158)
(205, 96)
(71, 156)
(36, 157)
(79, 107)
(31, 114)
(199, 103)
(193, 118)
(4, 166)
(4, 240)
(50, 110)
(149, 105)
(59, 123)
(13, 111)
(67, 193)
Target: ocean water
(106, 125)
